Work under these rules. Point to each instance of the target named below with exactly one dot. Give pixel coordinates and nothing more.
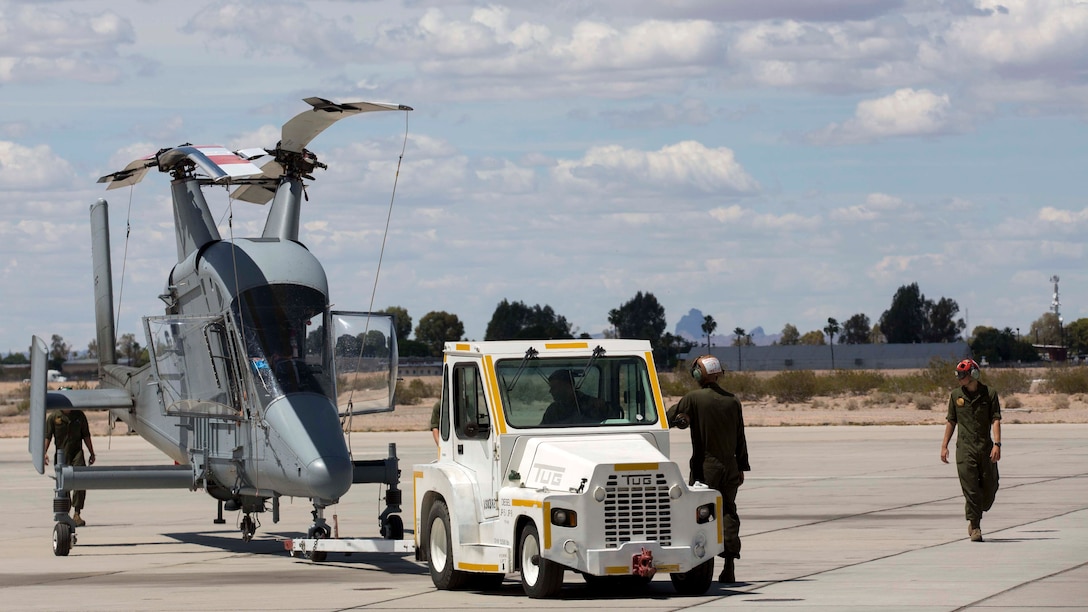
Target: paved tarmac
(834, 518)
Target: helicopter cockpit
(282, 352)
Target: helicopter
(250, 373)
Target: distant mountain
(690, 327)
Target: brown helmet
(705, 367)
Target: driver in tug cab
(570, 406)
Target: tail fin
(103, 283)
(38, 366)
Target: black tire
(487, 582)
(393, 528)
(62, 539)
(248, 528)
(318, 533)
(695, 581)
(440, 550)
(540, 577)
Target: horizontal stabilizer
(89, 399)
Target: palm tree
(832, 329)
(740, 334)
(709, 325)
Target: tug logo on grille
(637, 480)
(548, 474)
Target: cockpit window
(564, 392)
(284, 348)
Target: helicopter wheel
(249, 527)
(62, 539)
(318, 532)
(393, 528)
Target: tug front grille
(637, 507)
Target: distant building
(847, 356)
(416, 367)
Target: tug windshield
(576, 392)
(285, 349)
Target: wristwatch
(997, 444)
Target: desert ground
(871, 409)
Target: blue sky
(767, 163)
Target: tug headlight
(564, 518)
(704, 513)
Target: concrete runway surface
(833, 518)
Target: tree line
(911, 318)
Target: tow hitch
(642, 564)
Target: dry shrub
(794, 386)
(1061, 401)
(819, 404)
(851, 404)
(880, 398)
(851, 382)
(1007, 380)
(1013, 402)
(744, 385)
(923, 402)
(1067, 379)
(414, 392)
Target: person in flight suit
(719, 451)
(70, 430)
(975, 408)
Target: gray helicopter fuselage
(240, 377)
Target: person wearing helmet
(571, 406)
(975, 408)
(719, 451)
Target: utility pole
(1056, 304)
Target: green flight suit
(973, 414)
(719, 451)
(68, 432)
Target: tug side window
(472, 419)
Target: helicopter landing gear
(63, 538)
(320, 530)
(392, 527)
(248, 527)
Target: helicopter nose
(307, 435)
(329, 477)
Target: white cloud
(906, 112)
(732, 216)
(277, 29)
(40, 43)
(31, 167)
(1051, 215)
(1038, 35)
(688, 167)
(876, 204)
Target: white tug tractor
(554, 456)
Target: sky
(766, 163)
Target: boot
(974, 528)
(728, 575)
(77, 520)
